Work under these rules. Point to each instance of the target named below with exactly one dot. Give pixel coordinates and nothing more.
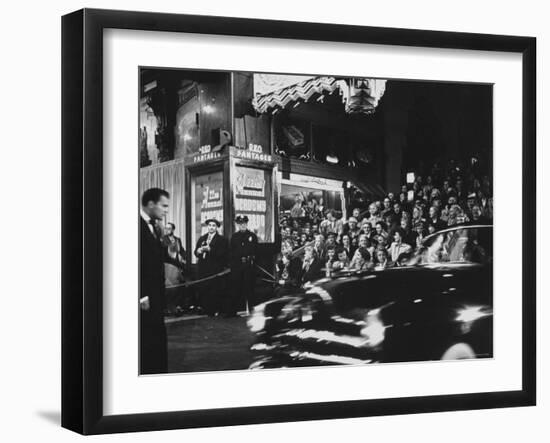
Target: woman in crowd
(380, 231)
(381, 261)
(420, 234)
(330, 259)
(361, 260)
(362, 256)
(342, 261)
(417, 216)
(398, 247)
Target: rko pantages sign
(253, 152)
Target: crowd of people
(383, 232)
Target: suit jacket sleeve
(197, 246)
(151, 268)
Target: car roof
(455, 228)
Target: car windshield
(462, 245)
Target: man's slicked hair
(154, 195)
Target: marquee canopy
(274, 92)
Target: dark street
(208, 344)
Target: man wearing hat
(211, 252)
(243, 247)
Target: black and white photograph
(275, 222)
(296, 220)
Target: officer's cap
(241, 219)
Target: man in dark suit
(173, 246)
(153, 346)
(211, 251)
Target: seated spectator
(477, 217)
(365, 243)
(485, 204)
(399, 207)
(374, 216)
(417, 216)
(330, 239)
(319, 246)
(403, 197)
(392, 221)
(420, 231)
(330, 259)
(286, 233)
(435, 193)
(364, 250)
(361, 260)
(387, 208)
(351, 227)
(311, 268)
(409, 235)
(456, 216)
(381, 262)
(366, 228)
(330, 224)
(295, 239)
(380, 231)
(470, 202)
(434, 219)
(357, 214)
(445, 211)
(347, 246)
(342, 261)
(398, 247)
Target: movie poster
(208, 191)
(252, 197)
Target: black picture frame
(82, 259)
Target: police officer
(243, 247)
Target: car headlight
(257, 320)
(469, 314)
(374, 330)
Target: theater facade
(228, 143)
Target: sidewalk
(198, 343)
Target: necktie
(153, 224)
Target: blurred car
(438, 306)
